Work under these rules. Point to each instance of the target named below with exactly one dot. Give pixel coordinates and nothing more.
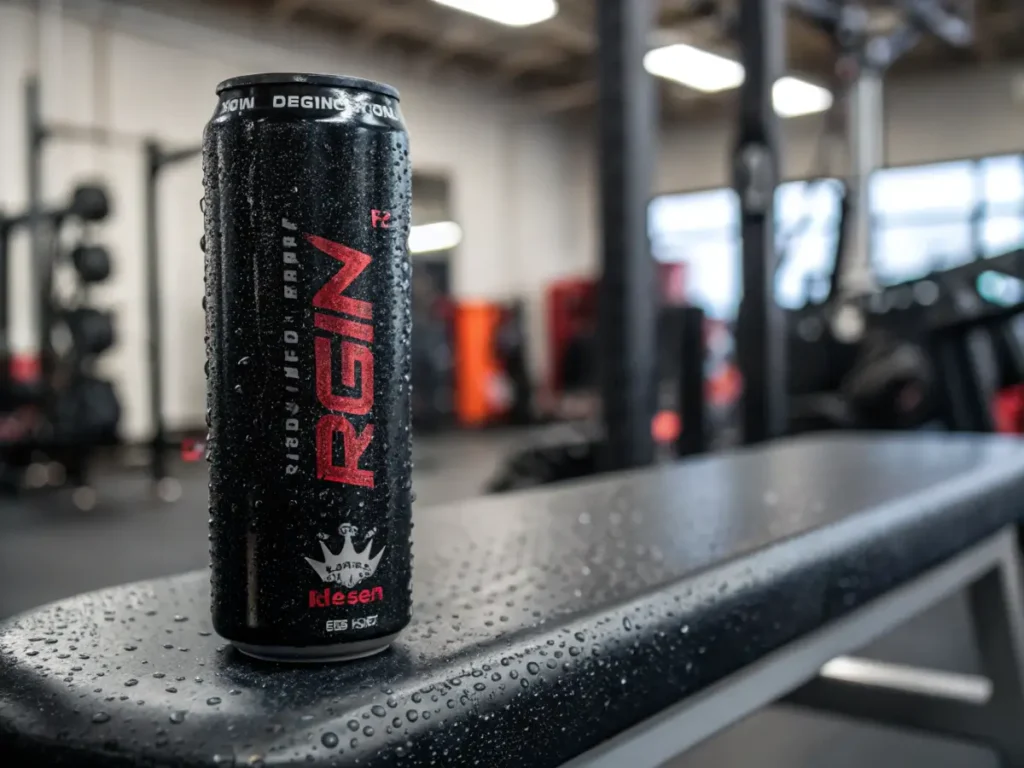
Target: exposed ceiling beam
(562, 48)
(584, 94)
(530, 58)
(575, 35)
(285, 9)
(567, 97)
(378, 19)
(459, 39)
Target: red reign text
(356, 334)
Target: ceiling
(553, 62)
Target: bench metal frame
(959, 706)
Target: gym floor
(49, 550)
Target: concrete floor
(49, 550)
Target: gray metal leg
(943, 703)
(693, 719)
(997, 610)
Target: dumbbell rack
(157, 159)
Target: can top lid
(293, 78)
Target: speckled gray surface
(545, 621)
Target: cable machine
(863, 57)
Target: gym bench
(611, 622)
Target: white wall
(974, 112)
(962, 114)
(142, 73)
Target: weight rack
(157, 159)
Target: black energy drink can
(307, 204)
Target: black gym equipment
(953, 336)
(91, 330)
(626, 135)
(829, 339)
(90, 264)
(693, 412)
(68, 411)
(760, 327)
(626, 311)
(86, 414)
(88, 203)
(856, 371)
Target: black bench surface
(545, 622)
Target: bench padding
(546, 621)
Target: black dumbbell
(87, 412)
(89, 203)
(92, 331)
(92, 262)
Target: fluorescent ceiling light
(694, 68)
(793, 97)
(514, 13)
(440, 236)
(711, 73)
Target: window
(923, 192)
(807, 231)
(1002, 220)
(1002, 183)
(702, 229)
(924, 218)
(1001, 234)
(909, 252)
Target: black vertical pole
(158, 443)
(35, 136)
(761, 331)
(692, 437)
(5, 298)
(626, 138)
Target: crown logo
(348, 567)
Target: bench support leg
(959, 706)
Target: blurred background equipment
(94, 403)
(433, 240)
(63, 412)
(850, 372)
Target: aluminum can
(307, 192)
